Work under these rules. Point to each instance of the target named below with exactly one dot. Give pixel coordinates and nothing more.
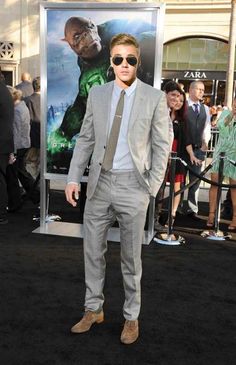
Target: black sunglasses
(132, 61)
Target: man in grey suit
(126, 130)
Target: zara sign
(195, 75)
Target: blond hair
(124, 39)
(15, 93)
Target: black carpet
(188, 314)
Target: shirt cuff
(72, 182)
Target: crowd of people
(192, 132)
(128, 149)
(19, 139)
(192, 125)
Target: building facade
(196, 45)
(196, 37)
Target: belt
(117, 172)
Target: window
(195, 53)
(6, 50)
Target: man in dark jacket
(33, 104)
(6, 145)
(25, 85)
(197, 138)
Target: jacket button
(100, 164)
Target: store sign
(195, 75)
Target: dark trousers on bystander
(4, 158)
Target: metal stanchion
(50, 217)
(170, 238)
(47, 217)
(216, 233)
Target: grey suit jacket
(148, 137)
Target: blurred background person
(197, 138)
(173, 92)
(6, 145)
(214, 130)
(219, 109)
(178, 117)
(25, 85)
(33, 104)
(226, 143)
(21, 132)
(213, 114)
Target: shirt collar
(128, 91)
(191, 103)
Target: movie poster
(78, 58)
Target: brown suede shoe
(86, 322)
(130, 332)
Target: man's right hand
(195, 161)
(72, 193)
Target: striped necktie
(195, 108)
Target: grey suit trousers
(120, 196)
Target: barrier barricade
(215, 233)
(171, 238)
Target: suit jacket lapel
(137, 105)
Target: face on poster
(78, 58)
